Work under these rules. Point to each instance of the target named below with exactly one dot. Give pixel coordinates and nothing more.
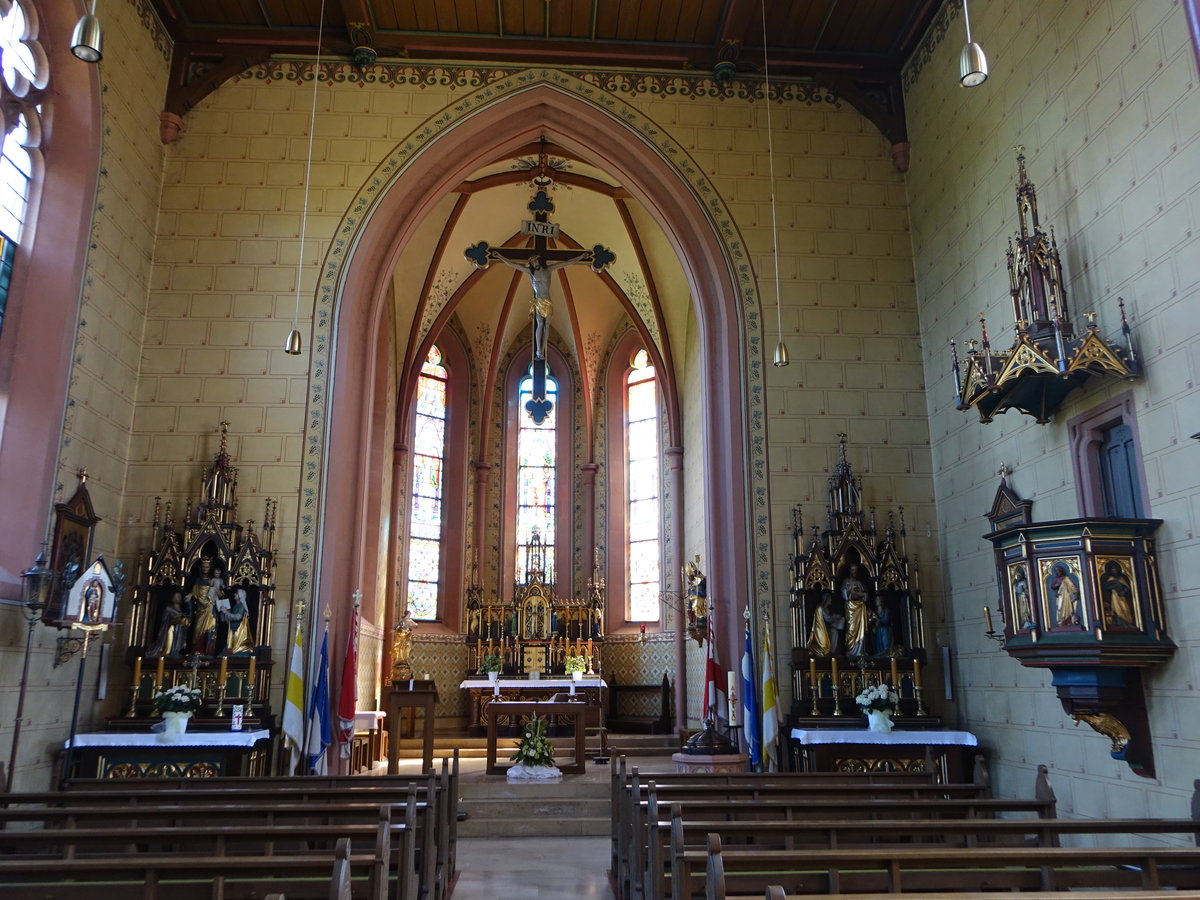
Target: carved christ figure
(539, 277)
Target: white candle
(733, 698)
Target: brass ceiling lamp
(781, 352)
(292, 345)
(972, 64)
(87, 40)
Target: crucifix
(538, 262)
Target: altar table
(948, 753)
(571, 711)
(483, 694)
(193, 754)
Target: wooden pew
(769, 798)
(623, 793)
(195, 877)
(394, 843)
(775, 892)
(439, 855)
(818, 836)
(219, 816)
(923, 869)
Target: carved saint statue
(825, 636)
(402, 639)
(854, 593)
(539, 278)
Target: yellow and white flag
(293, 707)
(770, 704)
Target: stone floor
(566, 868)
(536, 868)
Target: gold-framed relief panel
(1120, 606)
(1062, 593)
(1020, 594)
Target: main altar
(534, 630)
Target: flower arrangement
(180, 699)
(575, 664)
(492, 663)
(534, 748)
(878, 697)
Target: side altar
(201, 616)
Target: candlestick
(837, 702)
(158, 674)
(895, 675)
(987, 617)
(812, 672)
(250, 671)
(137, 671)
(223, 673)
(916, 673)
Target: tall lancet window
(537, 457)
(642, 490)
(425, 523)
(25, 75)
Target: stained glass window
(428, 463)
(642, 476)
(537, 453)
(23, 67)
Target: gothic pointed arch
(659, 173)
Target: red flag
(713, 676)
(348, 701)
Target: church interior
(403, 343)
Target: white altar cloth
(369, 719)
(812, 736)
(187, 739)
(563, 684)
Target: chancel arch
(378, 234)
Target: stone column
(674, 582)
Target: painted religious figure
(1062, 592)
(402, 641)
(1022, 602)
(1117, 597)
(854, 594)
(825, 636)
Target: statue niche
(205, 590)
(856, 608)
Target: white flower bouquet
(878, 697)
(180, 698)
(534, 748)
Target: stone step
(570, 807)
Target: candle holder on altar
(134, 690)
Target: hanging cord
(781, 355)
(293, 341)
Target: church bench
(622, 782)
(393, 842)
(314, 789)
(775, 892)
(428, 847)
(922, 869)
(190, 878)
(814, 835)
(619, 698)
(764, 797)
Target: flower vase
(577, 675)
(175, 724)
(492, 676)
(879, 720)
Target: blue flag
(750, 703)
(320, 734)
